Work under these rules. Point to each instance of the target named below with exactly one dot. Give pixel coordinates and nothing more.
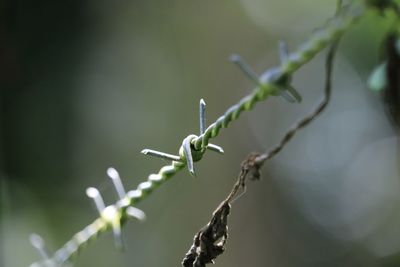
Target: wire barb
(39, 244)
(215, 148)
(202, 114)
(203, 126)
(117, 234)
(136, 213)
(296, 97)
(287, 96)
(116, 179)
(288, 92)
(187, 152)
(245, 68)
(94, 194)
(159, 154)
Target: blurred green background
(86, 85)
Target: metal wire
(115, 215)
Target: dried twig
(210, 241)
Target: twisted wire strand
(269, 85)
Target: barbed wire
(273, 82)
(210, 241)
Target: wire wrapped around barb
(187, 152)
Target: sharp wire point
(288, 97)
(293, 92)
(116, 179)
(202, 116)
(136, 213)
(290, 94)
(94, 194)
(215, 148)
(112, 173)
(158, 154)
(39, 244)
(236, 59)
(117, 233)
